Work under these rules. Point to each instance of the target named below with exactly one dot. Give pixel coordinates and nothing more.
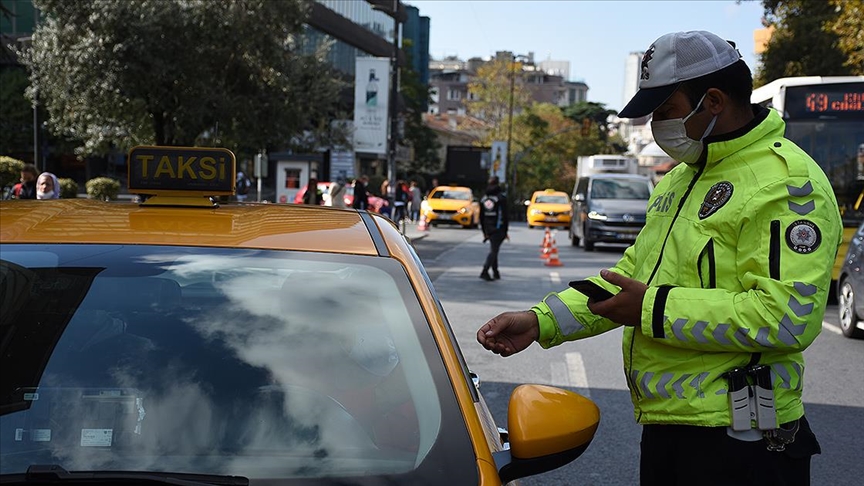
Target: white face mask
(671, 136)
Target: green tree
(596, 113)
(807, 40)
(849, 27)
(16, 112)
(490, 94)
(420, 137)
(546, 146)
(180, 72)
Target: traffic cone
(553, 260)
(423, 225)
(547, 245)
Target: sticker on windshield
(96, 437)
(40, 435)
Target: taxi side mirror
(527, 202)
(548, 427)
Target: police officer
(494, 223)
(723, 289)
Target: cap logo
(649, 54)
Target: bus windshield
(838, 147)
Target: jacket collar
(765, 123)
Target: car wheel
(588, 244)
(846, 309)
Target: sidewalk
(413, 233)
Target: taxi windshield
(451, 194)
(219, 361)
(548, 199)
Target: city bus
(824, 116)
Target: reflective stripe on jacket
(737, 255)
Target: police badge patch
(717, 196)
(803, 236)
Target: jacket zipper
(712, 269)
(774, 251)
(633, 385)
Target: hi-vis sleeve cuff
(555, 320)
(563, 316)
(650, 307)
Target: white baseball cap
(673, 58)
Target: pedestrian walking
(724, 287)
(494, 222)
(415, 201)
(361, 193)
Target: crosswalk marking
(555, 278)
(831, 327)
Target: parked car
(227, 343)
(451, 205)
(608, 208)
(850, 288)
(548, 208)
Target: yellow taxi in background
(243, 343)
(548, 208)
(451, 205)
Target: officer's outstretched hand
(626, 306)
(509, 333)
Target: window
(454, 94)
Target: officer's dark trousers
(676, 455)
(495, 240)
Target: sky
(595, 36)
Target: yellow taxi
(451, 205)
(548, 208)
(189, 340)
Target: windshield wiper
(55, 474)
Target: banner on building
(371, 97)
(498, 157)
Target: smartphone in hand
(591, 289)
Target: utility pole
(394, 117)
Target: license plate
(444, 216)
(551, 219)
(627, 236)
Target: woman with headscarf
(47, 186)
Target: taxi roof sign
(182, 171)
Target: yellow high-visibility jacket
(737, 253)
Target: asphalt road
(834, 387)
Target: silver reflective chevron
(802, 209)
(802, 191)
(788, 330)
(804, 289)
(798, 308)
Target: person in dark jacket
(26, 189)
(361, 193)
(494, 222)
(312, 196)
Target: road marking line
(576, 374)
(831, 327)
(555, 278)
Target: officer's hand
(626, 306)
(509, 333)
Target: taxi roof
(259, 226)
(550, 192)
(451, 188)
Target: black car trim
(375, 233)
